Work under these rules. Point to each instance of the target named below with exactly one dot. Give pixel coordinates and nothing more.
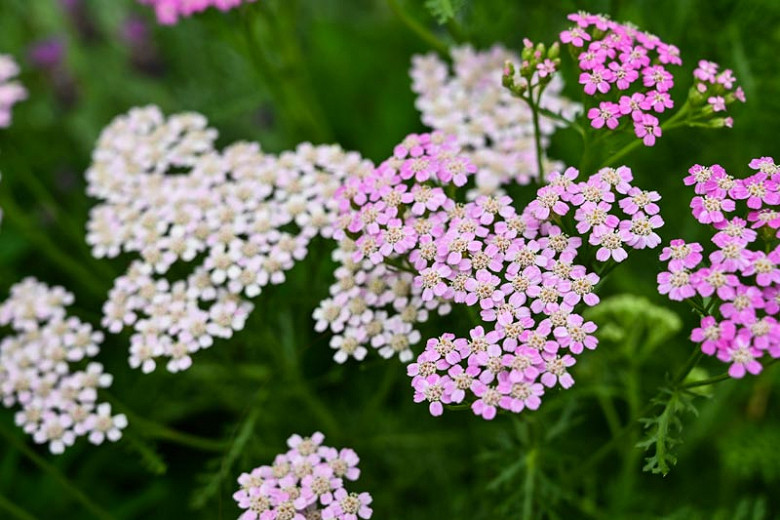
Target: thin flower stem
(530, 484)
(14, 510)
(669, 124)
(721, 377)
(419, 29)
(96, 510)
(537, 135)
(149, 428)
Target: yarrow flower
(629, 72)
(469, 102)
(11, 92)
(718, 88)
(737, 288)
(241, 216)
(306, 482)
(517, 268)
(170, 11)
(618, 58)
(38, 359)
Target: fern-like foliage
(663, 430)
(221, 469)
(444, 10)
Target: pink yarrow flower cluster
(170, 11)
(11, 92)
(306, 482)
(627, 68)
(737, 287)
(528, 287)
(242, 217)
(38, 359)
(496, 132)
(518, 269)
(718, 88)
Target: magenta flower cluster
(170, 11)
(11, 92)
(518, 268)
(737, 289)
(618, 58)
(719, 88)
(38, 361)
(305, 483)
(242, 217)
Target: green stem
(669, 124)
(717, 379)
(530, 483)
(634, 422)
(537, 134)
(418, 29)
(295, 70)
(148, 428)
(96, 510)
(14, 510)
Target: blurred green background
(337, 71)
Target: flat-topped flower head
(738, 281)
(59, 403)
(305, 482)
(239, 217)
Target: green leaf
(663, 431)
(444, 10)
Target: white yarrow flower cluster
(11, 92)
(239, 217)
(373, 306)
(58, 403)
(494, 129)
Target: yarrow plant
(38, 369)
(737, 288)
(11, 92)
(469, 102)
(242, 217)
(170, 11)
(517, 268)
(305, 483)
(628, 74)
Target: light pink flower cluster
(306, 483)
(226, 223)
(738, 290)
(627, 68)
(718, 88)
(169, 11)
(11, 92)
(37, 369)
(527, 286)
(494, 130)
(518, 268)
